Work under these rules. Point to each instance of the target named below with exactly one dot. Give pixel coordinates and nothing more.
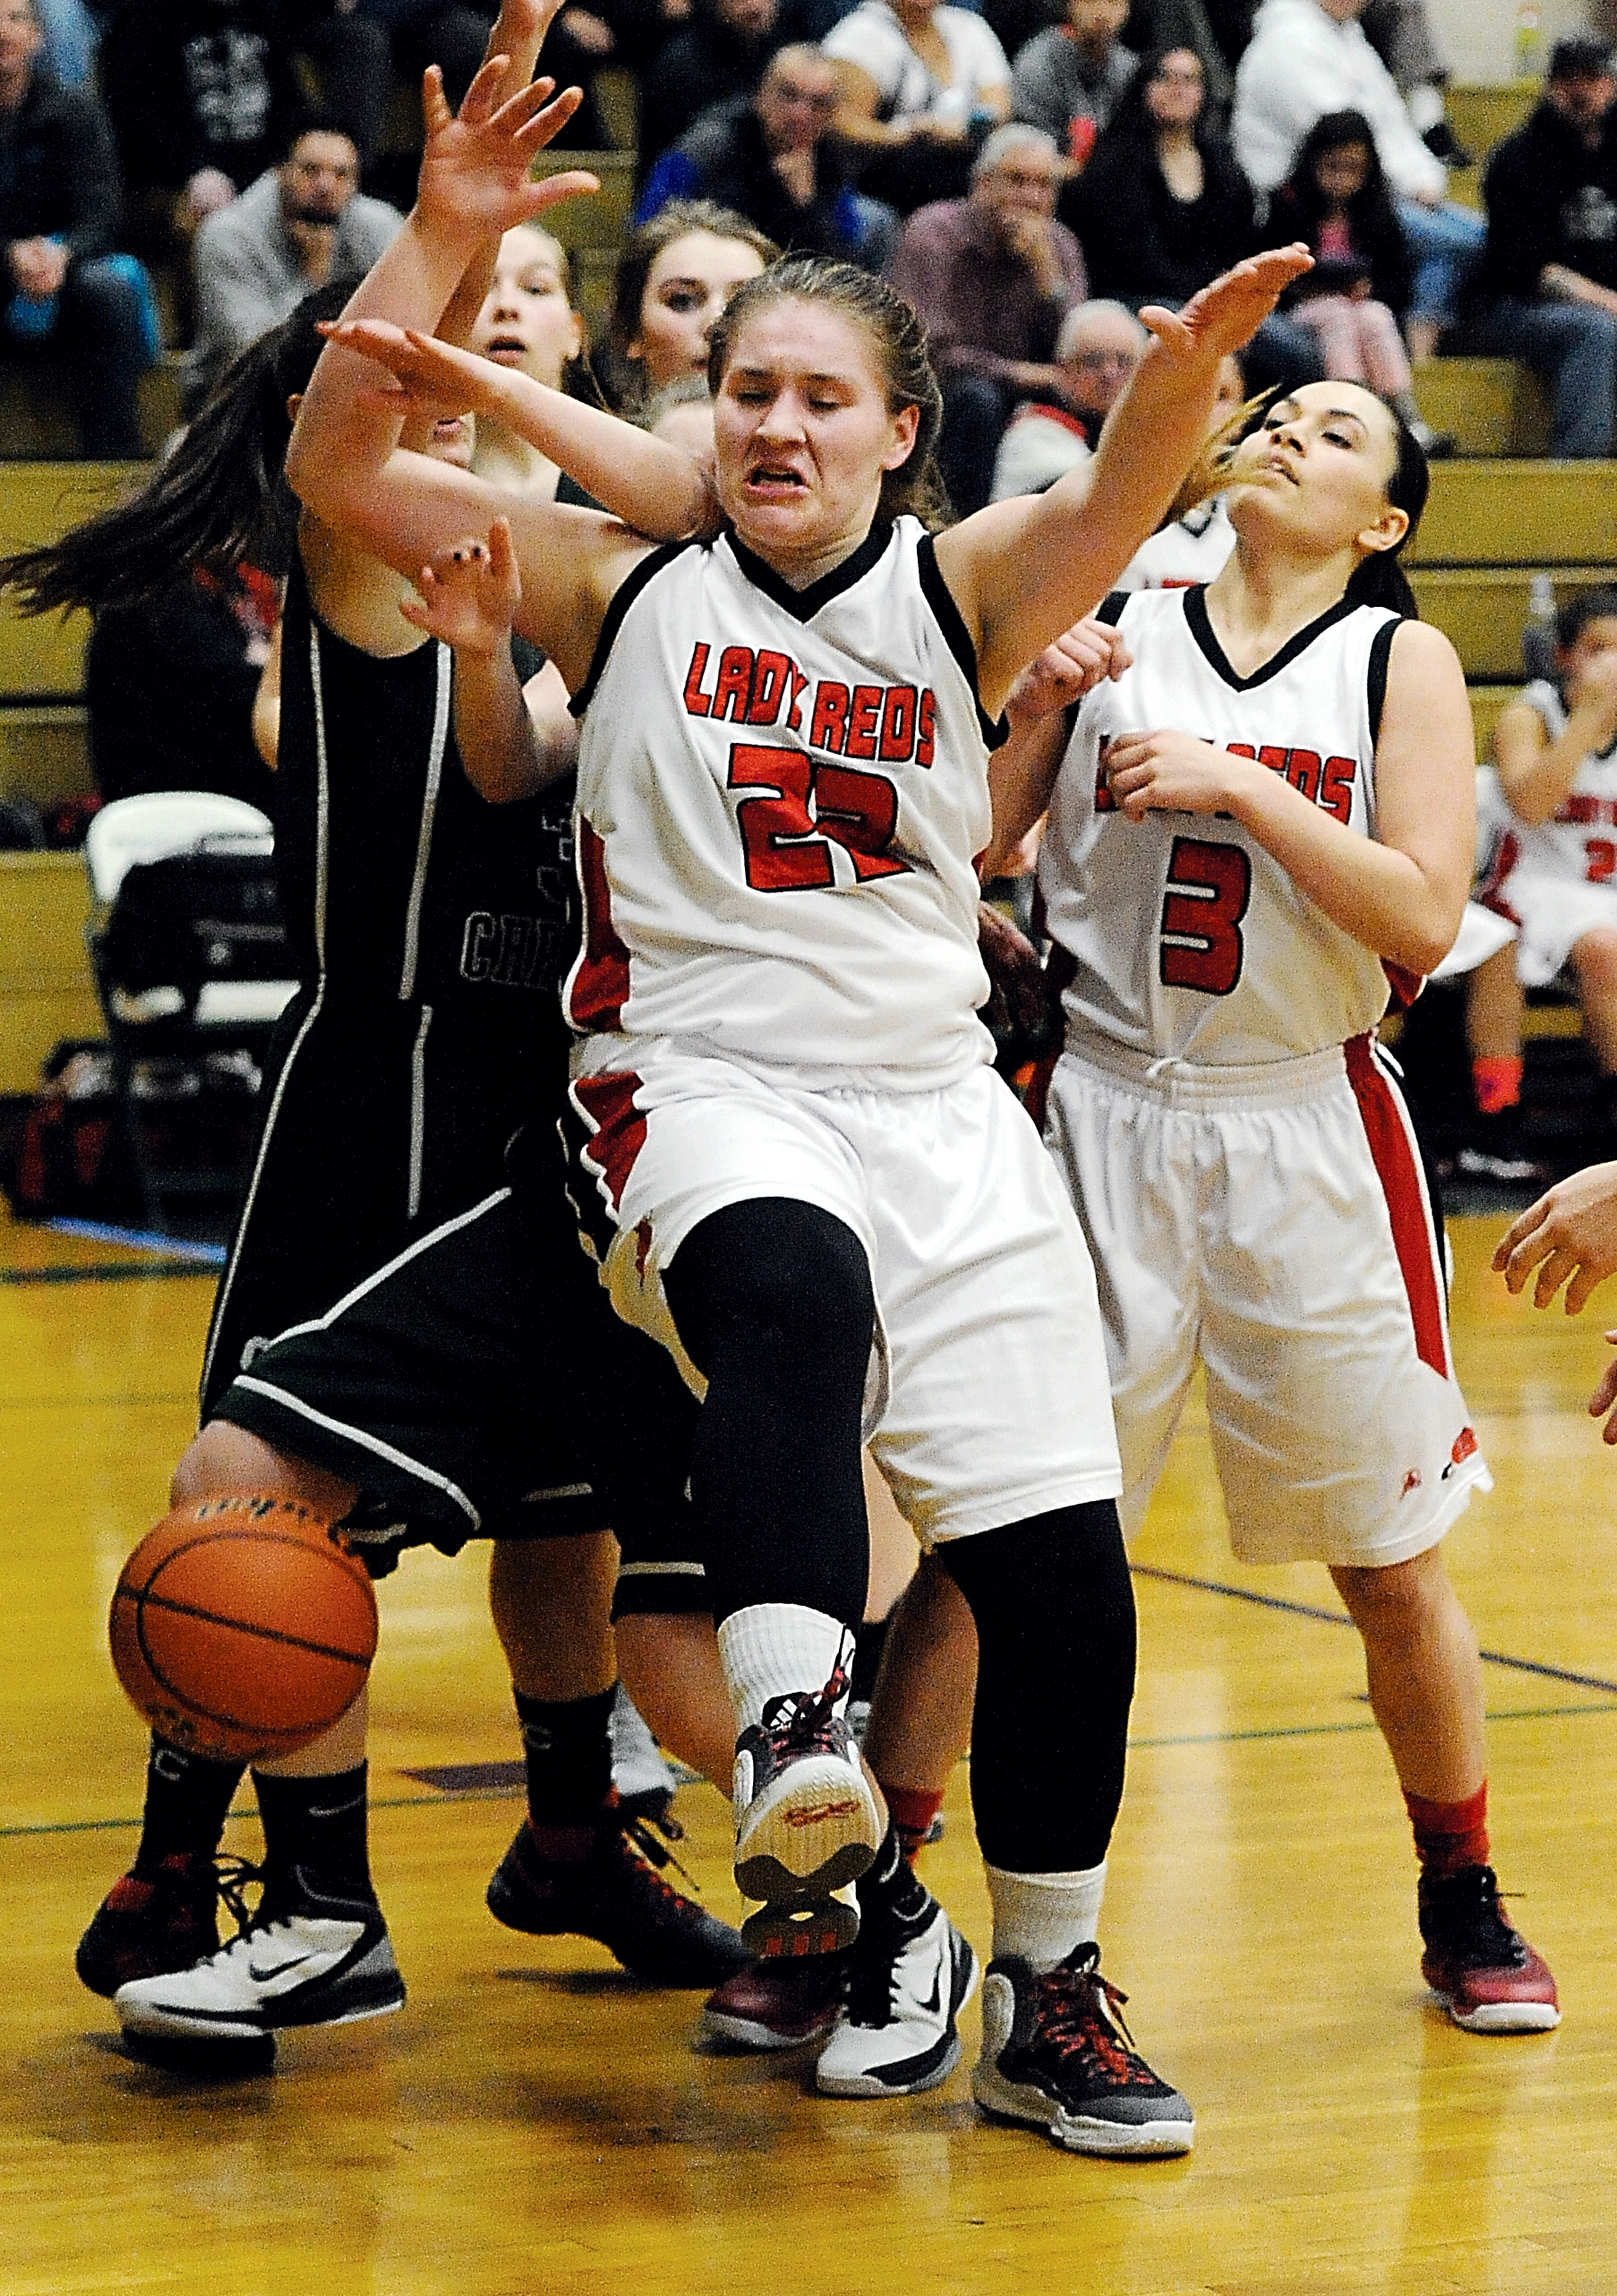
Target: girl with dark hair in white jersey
(808, 1178)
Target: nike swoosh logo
(936, 2004)
(261, 1976)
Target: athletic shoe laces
(233, 1877)
(1467, 1926)
(1080, 2014)
(805, 1721)
(638, 1832)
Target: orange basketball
(240, 1628)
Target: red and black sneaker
(783, 2003)
(806, 1823)
(1057, 2054)
(150, 1924)
(1479, 1966)
(615, 1895)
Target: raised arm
(1400, 893)
(658, 489)
(1536, 772)
(1022, 571)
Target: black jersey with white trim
(1188, 941)
(781, 794)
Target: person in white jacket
(1308, 57)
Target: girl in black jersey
(431, 928)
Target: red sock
(1449, 1835)
(1496, 1085)
(912, 1810)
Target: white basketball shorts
(1553, 913)
(989, 1400)
(1273, 1221)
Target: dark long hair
(1370, 207)
(219, 497)
(1132, 128)
(1379, 579)
(899, 341)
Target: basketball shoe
(806, 1823)
(911, 1974)
(1482, 1968)
(1057, 2054)
(782, 2003)
(163, 1919)
(304, 1959)
(615, 1894)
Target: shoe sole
(744, 2033)
(138, 2018)
(788, 1933)
(1117, 2140)
(815, 1831)
(872, 2084)
(1503, 2016)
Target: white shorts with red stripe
(1553, 913)
(1272, 1221)
(988, 1401)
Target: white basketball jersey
(1579, 839)
(781, 795)
(1188, 941)
(1192, 549)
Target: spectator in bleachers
(201, 93)
(1335, 200)
(1068, 79)
(717, 58)
(59, 214)
(1162, 207)
(1546, 288)
(1308, 57)
(992, 275)
(767, 157)
(1404, 36)
(301, 224)
(1100, 346)
(919, 87)
(674, 277)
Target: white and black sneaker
(1057, 2054)
(909, 1977)
(302, 1959)
(806, 1823)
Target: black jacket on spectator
(1141, 243)
(705, 63)
(730, 165)
(169, 689)
(200, 83)
(1550, 199)
(58, 170)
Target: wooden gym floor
(534, 2122)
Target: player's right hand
(477, 164)
(1080, 658)
(1569, 1233)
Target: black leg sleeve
(772, 1301)
(1054, 1612)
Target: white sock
(1042, 1917)
(772, 1648)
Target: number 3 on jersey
(1208, 889)
(785, 845)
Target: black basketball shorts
(479, 1386)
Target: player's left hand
(1021, 1004)
(469, 595)
(1172, 772)
(1571, 1230)
(1225, 313)
(1080, 658)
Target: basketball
(240, 1628)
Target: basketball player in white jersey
(812, 1186)
(1554, 872)
(1256, 826)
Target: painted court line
(1341, 1618)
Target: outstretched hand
(469, 595)
(1223, 315)
(1078, 659)
(436, 377)
(1571, 1230)
(475, 169)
